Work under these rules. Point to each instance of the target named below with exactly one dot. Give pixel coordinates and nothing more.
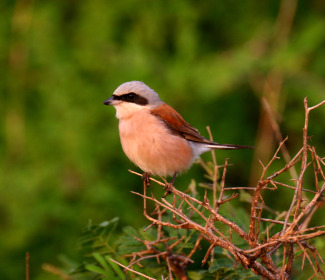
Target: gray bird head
(132, 96)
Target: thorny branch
(257, 253)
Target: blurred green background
(214, 61)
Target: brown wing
(178, 125)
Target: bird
(153, 135)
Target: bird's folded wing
(178, 125)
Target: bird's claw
(146, 179)
(168, 188)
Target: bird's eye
(131, 96)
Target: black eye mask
(131, 98)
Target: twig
(56, 271)
(269, 220)
(307, 256)
(215, 170)
(278, 136)
(132, 270)
(220, 201)
(293, 188)
(196, 245)
(261, 184)
(27, 266)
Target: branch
(132, 270)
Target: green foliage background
(60, 156)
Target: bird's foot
(169, 186)
(146, 179)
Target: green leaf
(96, 269)
(193, 275)
(131, 231)
(221, 264)
(101, 260)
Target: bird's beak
(110, 101)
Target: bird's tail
(217, 146)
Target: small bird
(154, 136)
